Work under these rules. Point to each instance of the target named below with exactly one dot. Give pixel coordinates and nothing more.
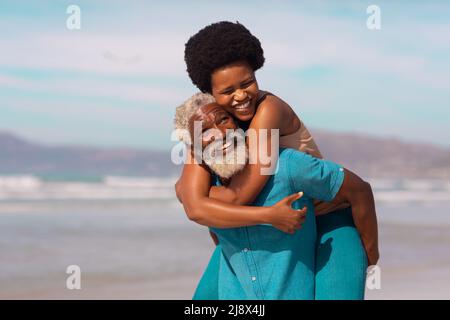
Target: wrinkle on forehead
(206, 118)
(209, 115)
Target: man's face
(215, 121)
(222, 143)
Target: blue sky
(117, 80)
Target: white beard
(232, 162)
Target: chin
(246, 117)
(229, 164)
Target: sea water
(131, 238)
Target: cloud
(156, 53)
(106, 65)
(396, 50)
(301, 40)
(82, 89)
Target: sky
(117, 80)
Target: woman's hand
(286, 219)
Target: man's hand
(284, 218)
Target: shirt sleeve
(317, 178)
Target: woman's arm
(193, 192)
(272, 113)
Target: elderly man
(259, 261)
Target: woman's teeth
(242, 106)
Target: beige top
(303, 141)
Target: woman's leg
(341, 260)
(208, 287)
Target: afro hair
(217, 45)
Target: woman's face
(235, 89)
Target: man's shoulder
(286, 154)
(292, 160)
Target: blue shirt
(262, 262)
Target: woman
(222, 59)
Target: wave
(33, 188)
(29, 187)
(410, 184)
(138, 182)
(20, 182)
(410, 197)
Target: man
(260, 261)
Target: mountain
(376, 157)
(365, 155)
(20, 156)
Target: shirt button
(245, 249)
(253, 278)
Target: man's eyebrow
(222, 113)
(201, 116)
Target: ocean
(131, 239)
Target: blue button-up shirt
(262, 262)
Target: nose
(240, 95)
(216, 132)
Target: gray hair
(185, 112)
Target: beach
(145, 247)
